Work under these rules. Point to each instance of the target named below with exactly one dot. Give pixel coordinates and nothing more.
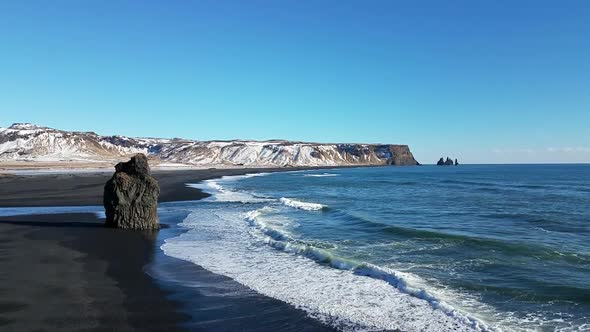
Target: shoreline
(108, 279)
(86, 188)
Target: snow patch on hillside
(29, 142)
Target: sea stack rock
(131, 196)
(448, 162)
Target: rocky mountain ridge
(29, 142)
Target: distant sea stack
(447, 162)
(131, 196)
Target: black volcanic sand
(65, 272)
(81, 189)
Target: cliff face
(285, 154)
(28, 142)
(402, 156)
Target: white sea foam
(321, 175)
(349, 297)
(277, 231)
(278, 239)
(219, 193)
(301, 205)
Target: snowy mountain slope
(28, 142)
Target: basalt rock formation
(131, 196)
(448, 162)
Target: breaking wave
(219, 193)
(281, 241)
(301, 205)
(323, 175)
(261, 254)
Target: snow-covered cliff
(28, 142)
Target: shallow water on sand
(502, 247)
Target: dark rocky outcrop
(131, 196)
(401, 156)
(447, 162)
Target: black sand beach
(65, 272)
(76, 189)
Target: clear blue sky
(484, 81)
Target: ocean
(466, 248)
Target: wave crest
(283, 242)
(321, 175)
(219, 193)
(301, 205)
